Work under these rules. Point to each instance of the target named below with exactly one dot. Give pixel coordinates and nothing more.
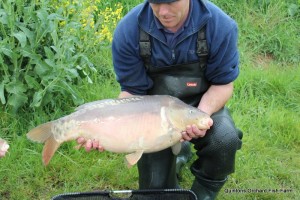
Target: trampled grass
(265, 106)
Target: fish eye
(191, 111)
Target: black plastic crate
(166, 194)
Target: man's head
(171, 13)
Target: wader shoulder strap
(145, 48)
(202, 49)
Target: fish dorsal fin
(176, 148)
(108, 102)
(50, 147)
(99, 103)
(133, 158)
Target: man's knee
(224, 133)
(223, 136)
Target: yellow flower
(97, 21)
(62, 23)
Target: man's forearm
(215, 98)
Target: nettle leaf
(293, 9)
(17, 100)
(50, 62)
(51, 27)
(15, 87)
(73, 73)
(42, 15)
(27, 52)
(49, 53)
(85, 60)
(55, 49)
(55, 16)
(21, 38)
(37, 98)
(6, 51)
(75, 95)
(41, 70)
(47, 98)
(55, 38)
(31, 82)
(29, 34)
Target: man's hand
(2, 153)
(89, 144)
(192, 132)
(4, 146)
(212, 100)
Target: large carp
(4, 146)
(134, 125)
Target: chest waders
(184, 81)
(188, 83)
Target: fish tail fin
(43, 134)
(40, 133)
(51, 145)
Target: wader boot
(183, 157)
(207, 189)
(158, 170)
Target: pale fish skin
(4, 146)
(134, 125)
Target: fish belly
(126, 134)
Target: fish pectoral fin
(133, 158)
(176, 148)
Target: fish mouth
(206, 124)
(210, 122)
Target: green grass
(265, 105)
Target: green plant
(39, 61)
